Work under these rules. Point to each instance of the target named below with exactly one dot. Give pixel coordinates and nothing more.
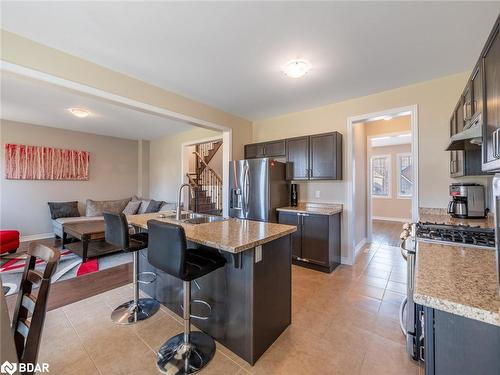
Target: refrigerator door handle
(247, 186)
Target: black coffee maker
(294, 195)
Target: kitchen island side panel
(239, 294)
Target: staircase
(205, 182)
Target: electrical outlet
(317, 193)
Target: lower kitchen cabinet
(316, 243)
(457, 345)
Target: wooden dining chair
(29, 314)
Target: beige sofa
(94, 210)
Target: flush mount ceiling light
(79, 112)
(296, 68)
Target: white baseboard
(345, 260)
(359, 246)
(399, 219)
(33, 237)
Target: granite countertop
(459, 280)
(314, 208)
(231, 235)
(439, 215)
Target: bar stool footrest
(199, 316)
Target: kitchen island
(250, 297)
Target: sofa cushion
(153, 206)
(132, 207)
(168, 206)
(63, 209)
(96, 208)
(144, 206)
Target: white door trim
(133, 104)
(350, 188)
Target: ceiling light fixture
(296, 68)
(387, 118)
(79, 112)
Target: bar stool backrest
(29, 314)
(167, 248)
(116, 229)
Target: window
(381, 176)
(405, 176)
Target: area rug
(70, 266)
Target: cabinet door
(467, 103)
(274, 149)
(255, 150)
(324, 157)
(477, 90)
(491, 109)
(297, 157)
(459, 166)
(291, 218)
(315, 234)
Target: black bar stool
(187, 352)
(117, 233)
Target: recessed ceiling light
(296, 68)
(79, 112)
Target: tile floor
(343, 323)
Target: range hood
(472, 133)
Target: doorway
(202, 169)
(383, 183)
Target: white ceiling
(229, 54)
(38, 103)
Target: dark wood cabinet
(291, 218)
(477, 90)
(456, 345)
(297, 158)
(316, 243)
(491, 101)
(315, 238)
(265, 150)
(325, 160)
(457, 168)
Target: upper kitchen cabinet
(325, 161)
(313, 157)
(491, 101)
(297, 157)
(265, 150)
(316, 157)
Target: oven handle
(401, 315)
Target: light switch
(317, 193)
(258, 253)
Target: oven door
(408, 311)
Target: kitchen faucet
(178, 210)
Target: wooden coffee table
(91, 236)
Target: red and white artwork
(45, 163)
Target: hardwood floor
(386, 232)
(65, 292)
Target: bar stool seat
(187, 352)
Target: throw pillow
(144, 206)
(153, 206)
(63, 209)
(96, 208)
(166, 206)
(132, 207)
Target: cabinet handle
(497, 132)
(495, 143)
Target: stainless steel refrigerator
(256, 188)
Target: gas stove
(460, 234)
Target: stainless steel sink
(194, 218)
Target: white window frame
(398, 166)
(389, 176)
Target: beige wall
(166, 162)
(27, 53)
(392, 207)
(435, 100)
(113, 174)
